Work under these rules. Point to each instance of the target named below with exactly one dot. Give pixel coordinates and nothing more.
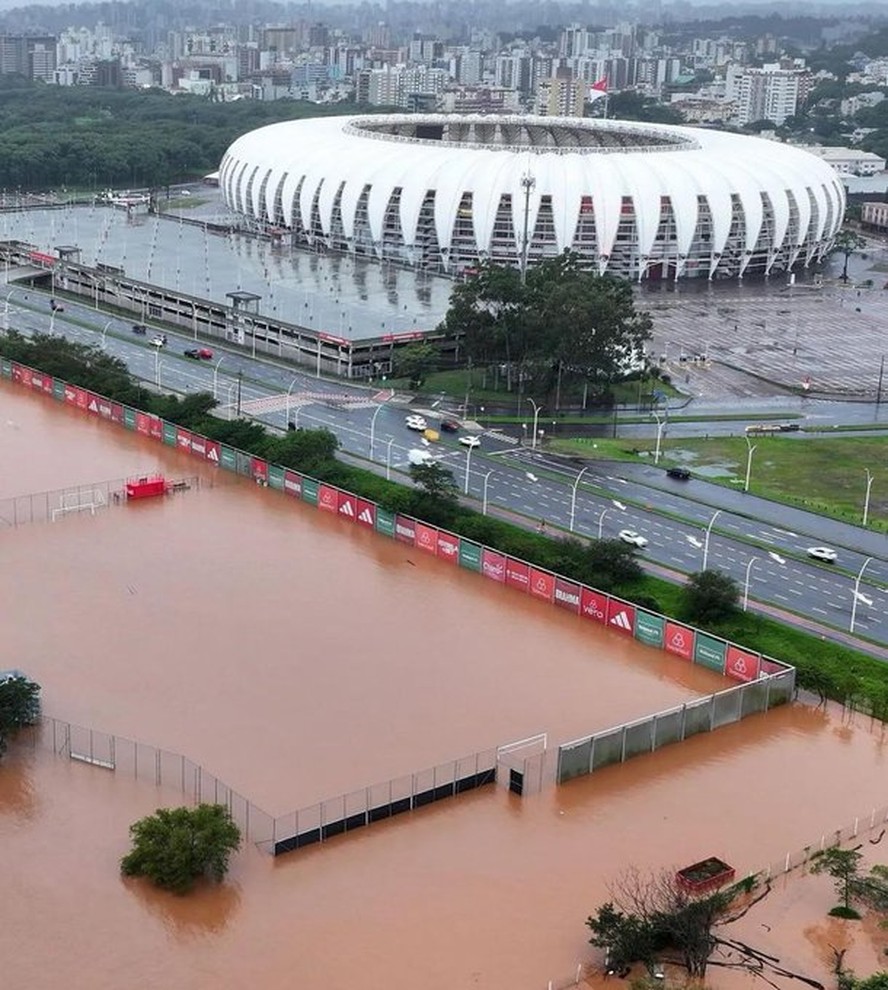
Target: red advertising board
(143, 421)
(771, 667)
(18, 374)
(448, 547)
(621, 616)
(104, 405)
(426, 538)
(328, 498)
(348, 506)
(679, 640)
(214, 452)
(292, 483)
(542, 584)
(366, 513)
(82, 398)
(198, 445)
(593, 605)
(405, 529)
(517, 574)
(155, 428)
(93, 404)
(116, 412)
(36, 381)
(567, 595)
(493, 565)
(183, 439)
(71, 395)
(741, 665)
(259, 469)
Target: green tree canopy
(19, 706)
(176, 846)
(710, 596)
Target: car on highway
(159, 341)
(682, 473)
(419, 457)
(199, 353)
(633, 538)
(824, 554)
(470, 441)
(140, 329)
(415, 423)
(449, 426)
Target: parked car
(633, 538)
(470, 441)
(825, 554)
(415, 423)
(449, 426)
(682, 473)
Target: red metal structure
(148, 487)
(705, 876)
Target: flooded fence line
(51, 506)
(650, 733)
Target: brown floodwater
(297, 658)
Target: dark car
(682, 473)
(449, 426)
(199, 353)
(140, 329)
(194, 354)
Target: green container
(129, 418)
(169, 434)
(470, 555)
(710, 652)
(310, 491)
(385, 522)
(228, 458)
(649, 628)
(276, 477)
(58, 389)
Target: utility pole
(240, 378)
(527, 183)
(881, 375)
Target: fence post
(856, 823)
(158, 776)
(768, 692)
(592, 755)
(623, 746)
(654, 721)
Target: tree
(19, 706)
(842, 865)
(175, 846)
(310, 451)
(415, 362)
(709, 596)
(846, 243)
(435, 482)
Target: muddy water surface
(298, 658)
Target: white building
(850, 161)
(770, 93)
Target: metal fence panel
(698, 717)
(753, 698)
(574, 760)
(639, 739)
(781, 687)
(607, 748)
(727, 707)
(667, 728)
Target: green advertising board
(228, 458)
(470, 555)
(385, 522)
(58, 389)
(6, 368)
(310, 491)
(649, 628)
(710, 652)
(169, 434)
(276, 477)
(129, 418)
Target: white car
(159, 341)
(470, 441)
(419, 457)
(415, 423)
(825, 554)
(630, 536)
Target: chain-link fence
(154, 766)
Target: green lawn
(822, 474)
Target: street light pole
(715, 516)
(601, 522)
(289, 392)
(857, 592)
(216, 374)
(104, 331)
(468, 462)
(866, 501)
(751, 447)
(573, 498)
(157, 366)
(484, 497)
(388, 459)
(752, 560)
(659, 436)
(373, 424)
(527, 184)
(536, 416)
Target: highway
(749, 538)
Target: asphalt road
(749, 538)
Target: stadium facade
(445, 192)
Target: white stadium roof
(446, 191)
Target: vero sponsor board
(593, 605)
(469, 555)
(740, 664)
(621, 616)
(405, 529)
(649, 628)
(517, 574)
(542, 584)
(567, 595)
(710, 652)
(679, 640)
(348, 506)
(448, 547)
(427, 538)
(328, 498)
(493, 565)
(366, 513)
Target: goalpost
(79, 502)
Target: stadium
(445, 192)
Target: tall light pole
(857, 593)
(484, 497)
(573, 498)
(157, 365)
(660, 425)
(715, 516)
(752, 560)
(536, 417)
(373, 423)
(388, 459)
(866, 501)
(216, 374)
(289, 393)
(468, 463)
(527, 184)
(751, 448)
(104, 331)
(601, 522)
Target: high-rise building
(770, 93)
(17, 56)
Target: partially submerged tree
(19, 706)
(175, 846)
(846, 243)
